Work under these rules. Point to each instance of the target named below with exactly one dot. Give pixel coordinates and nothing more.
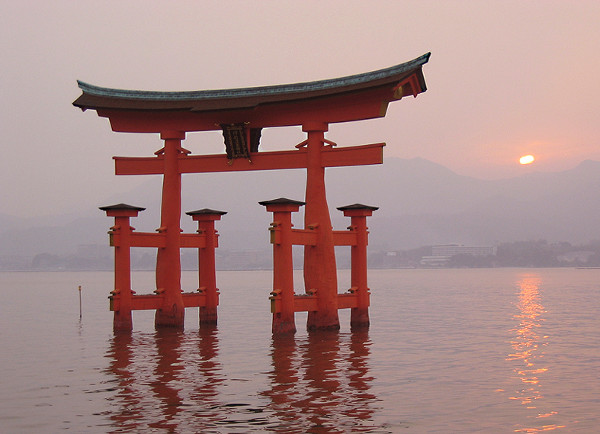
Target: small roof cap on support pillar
(358, 206)
(358, 209)
(121, 206)
(282, 204)
(206, 214)
(122, 210)
(205, 211)
(281, 201)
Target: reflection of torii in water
(322, 382)
(141, 404)
(241, 114)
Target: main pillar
(320, 271)
(168, 260)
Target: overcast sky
(506, 78)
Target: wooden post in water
(358, 214)
(120, 239)
(282, 296)
(207, 280)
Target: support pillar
(168, 260)
(120, 238)
(207, 278)
(359, 317)
(320, 271)
(282, 297)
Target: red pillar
(168, 260)
(207, 277)
(121, 240)
(358, 213)
(320, 271)
(283, 267)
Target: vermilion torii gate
(241, 114)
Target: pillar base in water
(283, 325)
(207, 316)
(122, 322)
(173, 317)
(359, 318)
(321, 321)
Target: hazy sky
(505, 78)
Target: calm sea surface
(448, 351)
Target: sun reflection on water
(528, 352)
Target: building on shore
(441, 255)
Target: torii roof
(350, 98)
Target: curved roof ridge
(350, 80)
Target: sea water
(448, 350)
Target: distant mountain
(563, 206)
(421, 203)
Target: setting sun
(527, 159)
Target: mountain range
(421, 203)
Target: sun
(526, 159)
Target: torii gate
(241, 114)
